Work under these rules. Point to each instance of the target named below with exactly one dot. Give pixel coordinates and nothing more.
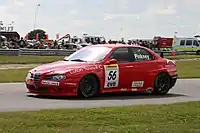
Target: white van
(186, 44)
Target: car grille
(36, 78)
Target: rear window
(141, 54)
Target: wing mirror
(112, 61)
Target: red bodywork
(145, 71)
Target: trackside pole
(173, 53)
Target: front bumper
(51, 88)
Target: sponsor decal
(111, 76)
(124, 89)
(111, 66)
(48, 82)
(137, 83)
(88, 68)
(73, 84)
(140, 56)
(134, 89)
(76, 70)
(149, 89)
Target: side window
(189, 42)
(182, 42)
(198, 43)
(121, 55)
(140, 54)
(195, 43)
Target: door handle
(129, 66)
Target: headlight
(28, 75)
(58, 77)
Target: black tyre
(88, 87)
(162, 84)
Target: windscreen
(89, 54)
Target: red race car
(104, 68)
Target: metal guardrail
(36, 52)
(177, 52)
(58, 52)
(9, 52)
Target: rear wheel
(162, 84)
(88, 86)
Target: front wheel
(162, 84)
(88, 86)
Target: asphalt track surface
(13, 97)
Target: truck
(162, 43)
(10, 35)
(84, 40)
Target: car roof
(113, 46)
(116, 45)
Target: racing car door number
(111, 76)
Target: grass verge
(186, 69)
(13, 75)
(182, 57)
(173, 118)
(48, 59)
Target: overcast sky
(136, 18)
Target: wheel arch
(162, 72)
(165, 91)
(95, 76)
